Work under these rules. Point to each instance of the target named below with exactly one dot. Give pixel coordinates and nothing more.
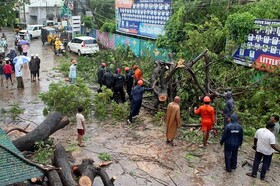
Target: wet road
(27, 98)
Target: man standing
(136, 99)
(207, 114)
(73, 71)
(229, 107)
(37, 62)
(18, 73)
(32, 68)
(118, 86)
(137, 73)
(129, 76)
(232, 138)
(108, 79)
(275, 120)
(100, 74)
(173, 120)
(264, 144)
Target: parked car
(83, 45)
(33, 30)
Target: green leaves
(66, 98)
(239, 25)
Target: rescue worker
(229, 107)
(207, 114)
(100, 74)
(57, 44)
(232, 138)
(38, 61)
(136, 99)
(137, 73)
(119, 81)
(108, 79)
(129, 76)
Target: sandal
(173, 144)
(81, 145)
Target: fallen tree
(50, 125)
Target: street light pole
(46, 10)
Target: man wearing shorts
(80, 126)
(7, 69)
(207, 114)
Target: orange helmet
(140, 82)
(206, 99)
(103, 64)
(126, 68)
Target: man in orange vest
(137, 74)
(207, 114)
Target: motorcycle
(61, 50)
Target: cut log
(53, 178)
(60, 160)
(104, 177)
(88, 172)
(50, 125)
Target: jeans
(266, 163)
(230, 159)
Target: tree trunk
(60, 160)
(88, 172)
(53, 178)
(50, 125)
(105, 178)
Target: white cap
(32, 55)
(37, 55)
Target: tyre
(79, 53)
(69, 49)
(30, 37)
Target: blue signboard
(145, 18)
(262, 48)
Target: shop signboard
(262, 48)
(145, 18)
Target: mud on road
(139, 153)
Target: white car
(33, 30)
(83, 45)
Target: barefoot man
(173, 120)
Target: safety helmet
(206, 99)
(103, 64)
(57, 38)
(126, 69)
(140, 82)
(32, 55)
(37, 55)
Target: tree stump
(50, 125)
(60, 160)
(88, 172)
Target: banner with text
(145, 18)
(262, 48)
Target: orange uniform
(207, 114)
(137, 74)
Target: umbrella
(23, 58)
(23, 42)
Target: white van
(33, 30)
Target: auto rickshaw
(48, 34)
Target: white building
(40, 10)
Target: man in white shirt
(264, 144)
(18, 73)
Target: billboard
(144, 18)
(262, 48)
